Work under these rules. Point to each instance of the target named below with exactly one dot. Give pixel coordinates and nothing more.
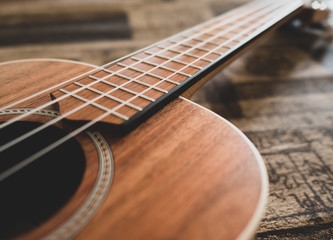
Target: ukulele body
(185, 173)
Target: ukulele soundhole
(32, 195)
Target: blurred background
(280, 93)
(95, 31)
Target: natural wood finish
(183, 174)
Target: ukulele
(118, 152)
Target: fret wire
(174, 60)
(187, 54)
(203, 49)
(210, 34)
(143, 83)
(164, 67)
(95, 104)
(234, 31)
(112, 73)
(200, 40)
(196, 31)
(110, 97)
(133, 79)
(153, 75)
(191, 46)
(212, 43)
(200, 48)
(208, 41)
(121, 87)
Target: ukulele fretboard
(135, 86)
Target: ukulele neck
(127, 91)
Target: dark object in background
(65, 28)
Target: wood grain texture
(183, 174)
